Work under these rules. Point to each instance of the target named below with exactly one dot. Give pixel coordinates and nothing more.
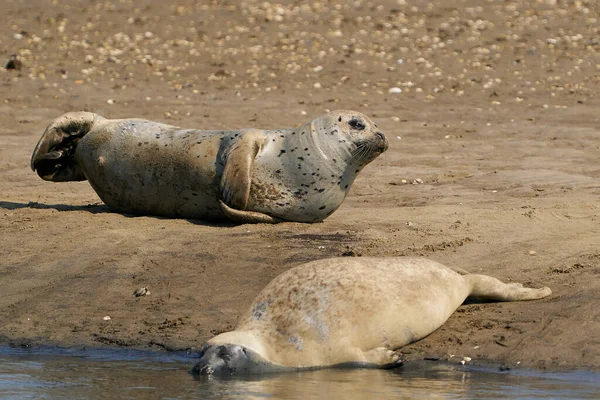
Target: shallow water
(94, 374)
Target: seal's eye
(357, 124)
(203, 351)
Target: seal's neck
(328, 144)
(330, 141)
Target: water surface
(48, 373)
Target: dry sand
(493, 166)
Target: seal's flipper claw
(382, 357)
(396, 364)
(247, 217)
(53, 157)
(237, 174)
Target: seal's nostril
(381, 135)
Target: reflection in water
(67, 374)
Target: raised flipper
(53, 157)
(247, 217)
(486, 287)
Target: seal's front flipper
(247, 217)
(53, 157)
(237, 174)
(382, 357)
(237, 179)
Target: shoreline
(108, 354)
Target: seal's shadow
(91, 208)
(101, 208)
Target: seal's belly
(145, 167)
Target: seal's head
(229, 359)
(351, 135)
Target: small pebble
(14, 64)
(141, 292)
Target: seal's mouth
(210, 365)
(204, 370)
(382, 141)
(372, 146)
(213, 370)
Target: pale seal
(248, 175)
(347, 312)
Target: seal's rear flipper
(53, 157)
(486, 287)
(248, 217)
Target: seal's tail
(53, 158)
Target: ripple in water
(96, 374)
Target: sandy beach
(492, 114)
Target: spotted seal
(347, 312)
(248, 175)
